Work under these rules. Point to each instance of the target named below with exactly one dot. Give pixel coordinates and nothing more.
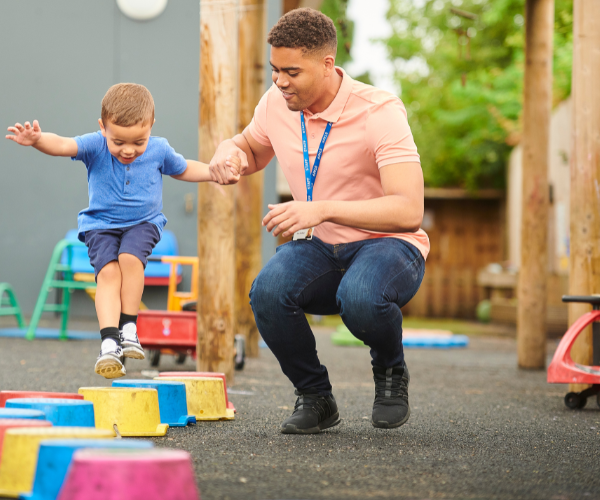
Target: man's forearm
(388, 214)
(55, 145)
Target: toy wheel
(154, 357)
(240, 352)
(180, 358)
(575, 401)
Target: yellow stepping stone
(205, 397)
(20, 453)
(130, 411)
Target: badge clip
(303, 234)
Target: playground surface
(479, 429)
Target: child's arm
(199, 172)
(50, 144)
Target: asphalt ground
(479, 429)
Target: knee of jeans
(267, 294)
(360, 308)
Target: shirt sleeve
(258, 125)
(88, 147)
(389, 135)
(174, 163)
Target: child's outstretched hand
(234, 164)
(25, 135)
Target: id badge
(303, 234)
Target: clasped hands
(282, 219)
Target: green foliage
(336, 10)
(462, 82)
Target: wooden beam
(216, 221)
(537, 105)
(249, 195)
(584, 262)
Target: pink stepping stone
(128, 474)
(4, 395)
(10, 423)
(202, 374)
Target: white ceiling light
(142, 10)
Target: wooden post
(537, 105)
(249, 195)
(584, 273)
(216, 221)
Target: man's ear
(329, 64)
(102, 129)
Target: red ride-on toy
(174, 331)
(563, 370)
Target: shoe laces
(391, 385)
(118, 351)
(313, 402)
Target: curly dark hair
(307, 29)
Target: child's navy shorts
(105, 245)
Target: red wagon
(174, 331)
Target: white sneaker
(130, 342)
(110, 360)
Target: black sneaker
(130, 342)
(110, 362)
(312, 414)
(390, 408)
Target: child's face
(126, 143)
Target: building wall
(559, 152)
(59, 59)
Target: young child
(124, 222)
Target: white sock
(108, 345)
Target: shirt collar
(335, 109)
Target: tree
(336, 10)
(459, 65)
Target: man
(360, 186)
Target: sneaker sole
(110, 368)
(326, 424)
(133, 352)
(385, 425)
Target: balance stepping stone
(134, 411)
(203, 374)
(20, 453)
(61, 412)
(55, 457)
(5, 395)
(156, 474)
(20, 413)
(11, 423)
(205, 397)
(172, 402)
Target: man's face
(299, 77)
(126, 143)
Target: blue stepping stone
(61, 412)
(18, 413)
(172, 401)
(55, 457)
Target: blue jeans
(365, 282)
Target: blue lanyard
(311, 176)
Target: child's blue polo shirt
(125, 195)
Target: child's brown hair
(126, 104)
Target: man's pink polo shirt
(370, 130)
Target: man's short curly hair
(306, 29)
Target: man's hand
(225, 159)
(25, 135)
(294, 215)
